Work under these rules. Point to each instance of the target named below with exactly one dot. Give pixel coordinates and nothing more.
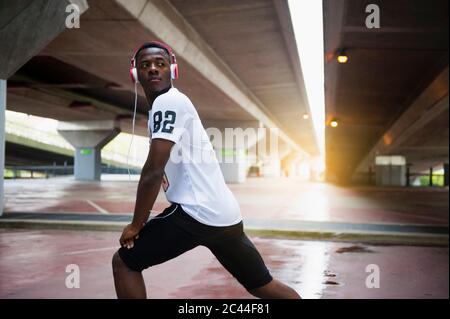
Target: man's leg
(128, 283)
(241, 258)
(159, 240)
(275, 290)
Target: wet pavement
(259, 198)
(33, 265)
(33, 261)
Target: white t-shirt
(193, 177)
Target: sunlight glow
(307, 22)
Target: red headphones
(173, 60)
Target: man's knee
(274, 289)
(260, 292)
(257, 292)
(117, 264)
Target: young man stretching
(203, 211)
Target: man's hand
(129, 234)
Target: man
(203, 211)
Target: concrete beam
(333, 24)
(56, 100)
(88, 138)
(54, 93)
(284, 18)
(428, 106)
(162, 19)
(88, 133)
(27, 27)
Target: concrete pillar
(2, 140)
(430, 177)
(408, 175)
(88, 138)
(285, 155)
(271, 167)
(88, 163)
(288, 160)
(390, 171)
(271, 154)
(234, 144)
(233, 164)
(445, 174)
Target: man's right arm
(148, 188)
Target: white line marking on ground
(77, 252)
(97, 207)
(40, 255)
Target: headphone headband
(157, 44)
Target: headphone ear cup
(174, 71)
(134, 76)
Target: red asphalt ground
(33, 262)
(33, 265)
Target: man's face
(153, 68)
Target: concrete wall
(2, 140)
(390, 175)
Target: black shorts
(165, 238)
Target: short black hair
(152, 45)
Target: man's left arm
(148, 188)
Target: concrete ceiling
(83, 73)
(388, 70)
(249, 37)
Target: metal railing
(426, 179)
(47, 171)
